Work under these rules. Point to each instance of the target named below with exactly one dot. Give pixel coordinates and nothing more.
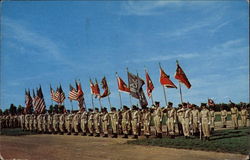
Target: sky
(56, 42)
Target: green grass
(232, 141)
(15, 132)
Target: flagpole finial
(160, 64)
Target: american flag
(39, 104)
(28, 101)
(73, 94)
(60, 96)
(53, 95)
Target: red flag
(79, 90)
(92, 87)
(150, 86)
(122, 85)
(210, 102)
(181, 76)
(165, 81)
(105, 87)
(97, 89)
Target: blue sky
(57, 42)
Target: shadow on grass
(15, 132)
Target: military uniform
(56, 122)
(171, 114)
(180, 123)
(27, 120)
(45, 123)
(224, 118)
(35, 123)
(135, 122)
(91, 122)
(68, 123)
(105, 122)
(195, 114)
(40, 123)
(114, 122)
(22, 121)
(158, 121)
(244, 115)
(187, 122)
(31, 122)
(76, 122)
(205, 119)
(212, 113)
(84, 122)
(97, 121)
(125, 122)
(234, 115)
(50, 123)
(62, 123)
(146, 123)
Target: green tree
(13, 109)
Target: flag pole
(92, 100)
(130, 99)
(100, 102)
(180, 92)
(151, 97)
(164, 91)
(116, 74)
(138, 85)
(109, 103)
(71, 105)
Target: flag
(97, 89)
(105, 87)
(80, 97)
(122, 85)
(28, 101)
(210, 102)
(53, 95)
(40, 103)
(61, 95)
(150, 85)
(73, 95)
(181, 76)
(165, 80)
(94, 88)
(135, 85)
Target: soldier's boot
(172, 137)
(114, 135)
(212, 129)
(61, 133)
(147, 136)
(91, 134)
(84, 134)
(159, 135)
(97, 135)
(76, 133)
(68, 133)
(105, 135)
(125, 136)
(135, 137)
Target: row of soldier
(185, 120)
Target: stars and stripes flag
(58, 96)
(39, 105)
(105, 87)
(210, 102)
(150, 85)
(122, 86)
(181, 76)
(73, 94)
(28, 101)
(135, 84)
(165, 79)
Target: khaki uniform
(212, 113)
(234, 115)
(35, 122)
(22, 121)
(205, 119)
(56, 122)
(40, 122)
(135, 122)
(45, 123)
(31, 122)
(105, 123)
(91, 122)
(158, 120)
(187, 121)
(171, 114)
(97, 122)
(125, 122)
(195, 114)
(62, 123)
(27, 120)
(114, 122)
(224, 117)
(84, 121)
(244, 115)
(180, 120)
(68, 123)
(50, 123)
(76, 122)
(146, 123)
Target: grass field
(232, 141)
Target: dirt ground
(36, 147)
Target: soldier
(205, 119)
(56, 122)
(146, 121)
(22, 121)
(244, 115)
(45, 123)
(62, 118)
(91, 122)
(84, 121)
(135, 121)
(35, 122)
(50, 123)
(234, 115)
(97, 121)
(212, 113)
(105, 122)
(76, 122)
(27, 119)
(158, 120)
(40, 123)
(31, 122)
(114, 122)
(180, 111)
(224, 117)
(195, 114)
(68, 123)
(171, 114)
(187, 121)
(125, 121)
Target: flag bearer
(212, 113)
(91, 122)
(114, 122)
(68, 123)
(187, 121)
(146, 121)
(234, 115)
(158, 120)
(62, 118)
(195, 114)
(56, 122)
(76, 122)
(205, 119)
(105, 122)
(97, 121)
(135, 121)
(84, 121)
(224, 117)
(244, 115)
(125, 121)
(171, 114)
